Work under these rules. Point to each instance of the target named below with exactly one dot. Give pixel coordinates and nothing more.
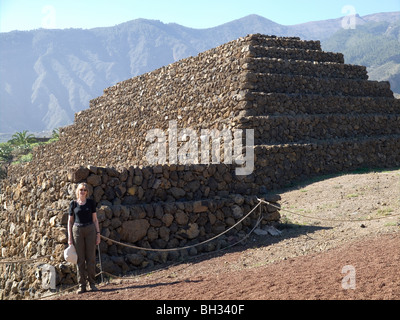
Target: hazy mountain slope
(371, 44)
(46, 76)
(390, 71)
(49, 76)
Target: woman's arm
(96, 223)
(71, 221)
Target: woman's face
(81, 191)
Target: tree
(5, 151)
(22, 138)
(55, 134)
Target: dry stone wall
(160, 207)
(291, 162)
(308, 128)
(293, 84)
(304, 104)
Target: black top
(82, 214)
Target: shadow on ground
(236, 244)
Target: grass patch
(385, 212)
(352, 195)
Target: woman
(84, 234)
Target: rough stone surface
(135, 230)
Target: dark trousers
(85, 244)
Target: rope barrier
(259, 204)
(326, 219)
(195, 257)
(25, 261)
(101, 273)
(186, 247)
(260, 201)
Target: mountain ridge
(49, 75)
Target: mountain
(46, 76)
(376, 45)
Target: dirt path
(312, 259)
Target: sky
(199, 14)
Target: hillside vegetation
(375, 45)
(19, 149)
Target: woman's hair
(85, 186)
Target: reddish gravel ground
(376, 264)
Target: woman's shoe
(93, 288)
(81, 290)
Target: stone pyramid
(311, 113)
